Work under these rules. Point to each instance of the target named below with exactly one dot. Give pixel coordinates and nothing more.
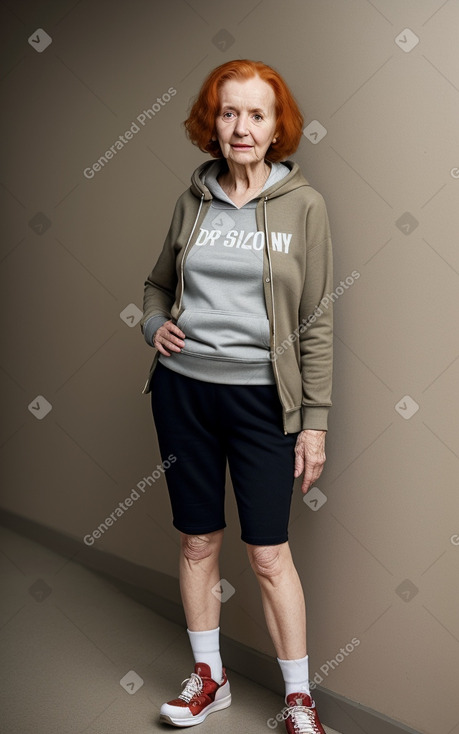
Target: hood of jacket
(294, 180)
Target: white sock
(206, 649)
(296, 675)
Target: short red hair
(200, 124)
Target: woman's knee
(200, 547)
(267, 560)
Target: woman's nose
(241, 125)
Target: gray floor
(67, 640)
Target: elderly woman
(243, 368)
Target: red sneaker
(201, 696)
(301, 715)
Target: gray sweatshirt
(225, 322)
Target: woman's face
(246, 123)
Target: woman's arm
(316, 314)
(161, 283)
(316, 346)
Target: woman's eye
(227, 114)
(257, 118)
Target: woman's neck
(240, 180)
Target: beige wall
(379, 559)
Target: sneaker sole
(194, 720)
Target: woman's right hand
(169, 336)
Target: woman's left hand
(309, 456)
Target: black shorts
(204, 424)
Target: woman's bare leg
(283, 598)
(199, 573)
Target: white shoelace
(303, 719)
(193, 687)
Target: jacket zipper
(182, 285)
(276, 373)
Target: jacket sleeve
(316, 319)
(160, 285)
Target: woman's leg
(207, 689)
(284, 606)
(199, 573)
(283, 598)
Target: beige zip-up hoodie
(297, 287)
